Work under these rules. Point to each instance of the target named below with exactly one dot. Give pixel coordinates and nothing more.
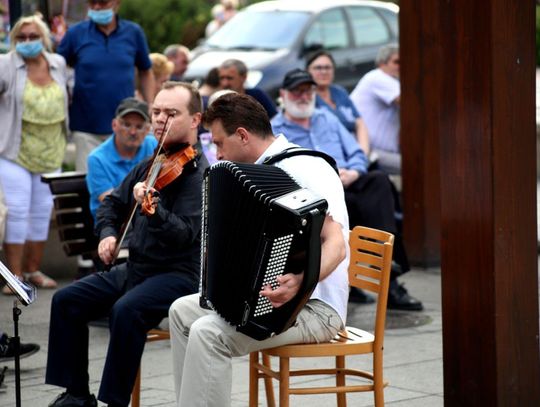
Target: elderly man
(163, 265)
(203, 343)
(377, 98)
(179, 56)
(129, 144)
(233, 75)
(368, 194)
(105, 52)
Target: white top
(374, 98)
(315, 174)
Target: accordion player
(258, 223)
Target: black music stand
(26, 294)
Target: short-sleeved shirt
(374, 98)
(344, 111)
(325, 134)
(315, 174)
(107, 169)
(104, 71)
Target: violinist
(163, 262)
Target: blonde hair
(160, 64)
(41, 26)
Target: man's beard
(299, 110)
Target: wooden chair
(369, 269)
(153, 336)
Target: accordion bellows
(258, 223)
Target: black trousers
(132, 312)
(370, 202)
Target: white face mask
(299, 109)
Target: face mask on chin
(101, 17)
(299, 110)
(29, 49)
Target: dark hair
(321, 53)
(235, 110)
(212, 78)
(195, 101)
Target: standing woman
(33, 113)
(335, 98)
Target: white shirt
(374, 98)
(315, 174)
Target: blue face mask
(101, 17)
(29, 49)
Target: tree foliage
(169, 21)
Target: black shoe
(399, 298)
(358, 296)
(67, 400)
(7, 348)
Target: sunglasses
(29, 37)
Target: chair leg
(378, 380)
(136, 393)
(253, 380)
(283, 382)
(340, 381)
(268, 385)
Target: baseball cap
(132, 105)
(296, 77)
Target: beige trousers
(84, 144)
(203, 345)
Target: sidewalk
(413, 355)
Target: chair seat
(347, 342)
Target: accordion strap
(294, 151)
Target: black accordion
(258, 223)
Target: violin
(168, 167)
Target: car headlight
(253, 78)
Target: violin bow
(152, 173)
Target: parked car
(273, 37)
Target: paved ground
(413, 355)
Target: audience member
(162, 69)
(109, 163)
(7, 348)
(163, 265)
(104, 51)
(368, 194)
(210, 85)
(217, 20)
(377, 98)
(203, 343)
(33, 113)
(334, 98)
(179, 56)
(233, 75)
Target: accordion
(258, 223)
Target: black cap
(296, 77)
(132, 105)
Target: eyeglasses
(302, 91)
(29, 37)
(139, 128)
(322, 67)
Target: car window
(329, 30)
(367, 26)
(260, 30)
(392, 19)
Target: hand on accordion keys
(289, 285)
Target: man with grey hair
(233, 75)
(179, 56)
(377, 98)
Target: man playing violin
(163, 262)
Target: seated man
(368, 194)
(110, 162)
(203, 343)
(233, 75)
(163, 264)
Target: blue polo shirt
(104, 71)
(107, 169)
(325, 134)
